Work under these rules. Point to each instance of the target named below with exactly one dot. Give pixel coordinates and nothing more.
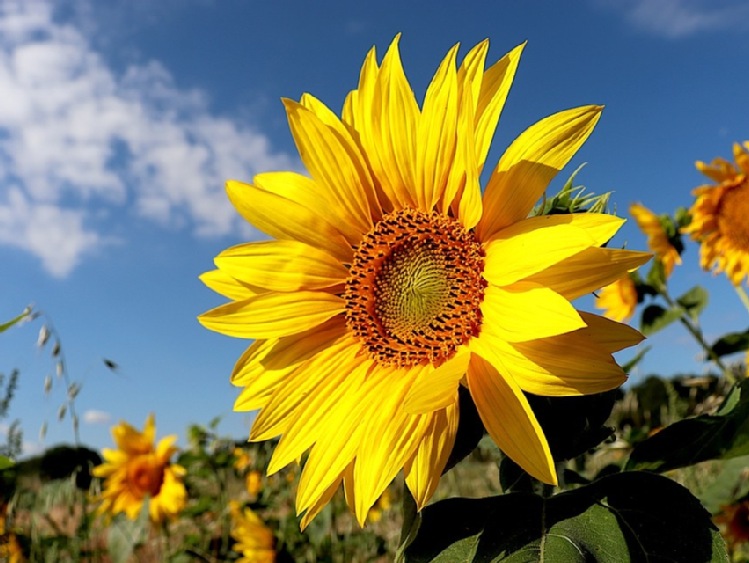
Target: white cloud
(96, 417)
(681, 18)
(77, 136)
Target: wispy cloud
(96, 417)
(81, 143)
(681, 18)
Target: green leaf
(633, 516)
(693, 301)
(5, 462)
(655, 318)
(724, 435)
(656, 277)
(727, 486)
(731, 343)
(5, 326)
(125, 535)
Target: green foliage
(618, 518)
(655, 318)
(125, 536)
(723, 435)
(731, 343)
(573, 199)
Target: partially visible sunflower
(619, 299)
(242, 459)
(10, 548)
(392, 281)
(734, 522)
(137, 471)
(254, 483)
(254, 539)
(658, 241)
(719, 216)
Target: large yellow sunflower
(392, 281)
(137, 471)
(650, 224)
(619, 299)
(719, 216)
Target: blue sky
(119, 122)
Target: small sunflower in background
(619, 299)
(720, 216)
(137, 471)
(658, 239)
(254, 540)
(734, 522)
(392, 280)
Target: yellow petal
(315, 406)
(272, 315)
(334, 162)
(284, 218)
(471, 71)
(390, 438)
(534, 244)
(424, 470)
(437, 134)
(525, 311)
(588, 270)
(437, 389)
(529, 164)
(225, 285)
(339, 439)
(509, 420)
(565, 365)
(282, 265)
(495, 85)
(319, 504)
(315, 375)
(470, 204)
(610, 335)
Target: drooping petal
(529, 164)
(526, 311)
(335, 162)
(390, 439)
(315, 407)
(588, 270)
(437, 389)
(424, 470)
(273, 315)
(535, 244)
(509, 419)
(320, 503)
(318, 374)
(282, 265)
(286, 219)
(610, 335)
(553, 366)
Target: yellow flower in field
(254, 539)
(137, 471)
(658, 241)
(254, 483)
(619, 299)
(10, 549)
(242, 459)
(382, 504)
(719, 216)
(392, 281)
(734, 522)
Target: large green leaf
(655, 318)
(633, 516)
(723, 435)
(693, 301)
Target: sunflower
(391, 281)
(658, 240)
(719, 216)
(619, 299)
(137, 471)
(254, 539)
(734, 522)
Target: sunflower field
(425, 384)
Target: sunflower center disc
(145, 475)
(732, 215)
(415, 288)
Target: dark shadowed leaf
(723, 435)
(730, 343)
(633, 516)
(693, 301)
(655, 318)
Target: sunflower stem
(741, 292)
(694, 329)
